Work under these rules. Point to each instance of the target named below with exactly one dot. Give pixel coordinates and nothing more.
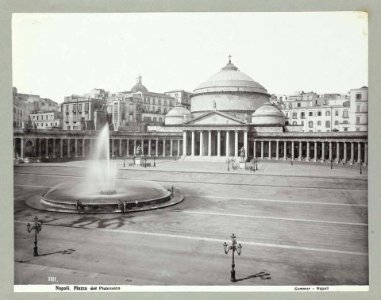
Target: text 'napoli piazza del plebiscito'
(230, 115)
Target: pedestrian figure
(121, 206)
(78, 205)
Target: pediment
(216, 118)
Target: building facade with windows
(26, 104)
(182, 97)
(359, 109)
(138, 107)
(82, 113)
(46, 120)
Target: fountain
(101, 192)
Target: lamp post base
(232, 276)
(35, 253)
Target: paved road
(301, 230)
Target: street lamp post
(331, 164)
(37, 228)
(233, 247)
(360, 167)
(154, 162)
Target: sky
(56, 55)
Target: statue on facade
(214, 105)
(138, 150)
(242, 154)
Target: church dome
(268, 114)
(139, 87)
(229, 78)
(230, 91)
(177, 115)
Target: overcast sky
(56, 55)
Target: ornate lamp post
(234, 247)
(360, 165)
(37, 228)
(331, 164)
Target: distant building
(78, 112)
(317, 113)
(134, 109)
(359, 109)
(46, 120)
(26, 104)
(182, 97)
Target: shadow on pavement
(262, 275)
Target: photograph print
(190, 151)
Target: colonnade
(336, 150)
(207, 143)
(73, 147)
(214, 142)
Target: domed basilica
(227, 97)
(226, 111)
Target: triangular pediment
(216, 118)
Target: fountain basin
(138, 195)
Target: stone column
(61, 147)
(68, 148)
(292, 150)
(322, 151)
(47, 147)
(255, 149)
(192, 145)
(236, 143)
(269, 149)
(345, 153)
(308, 151)
(300, 150)
(366, 154)
(164, 147)
(284, 150)
(330, 151)
(142, 146)
(128, 147)
(245, 144)
(209, 143)
(227, 143)
(352, 152)
(315, 151)
(358, 152)
(134, 147)
(184, 143)
(21, 147)
(120, 147)
(337, 152)
(157, 147)
(277, 150)
(54, 148)
(218, 143)
(149, 147)
(178, 147)
(83, 147)
(171, 148)
(262, 149)
(76, 147)
(91, 145)
(201, 143)
(40, 146)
